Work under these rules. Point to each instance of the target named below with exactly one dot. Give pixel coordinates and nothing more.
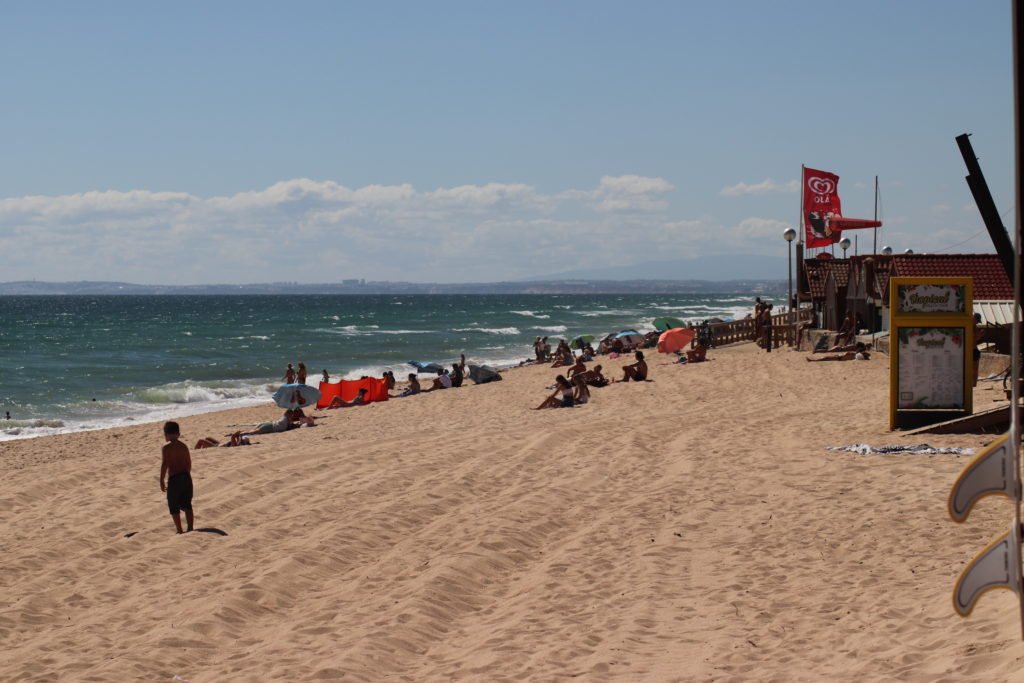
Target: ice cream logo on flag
(821, 185)
(821, 205)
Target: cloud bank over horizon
(306, 230)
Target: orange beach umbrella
(677, 338)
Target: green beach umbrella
(578, 342)
(666, 324)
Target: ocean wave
(489, 330)
(554, 329)
(190, 392)
(531, 314)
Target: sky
(248, 142)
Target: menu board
(930, 298)
(931, 368)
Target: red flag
(821, 205)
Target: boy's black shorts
(179, 492)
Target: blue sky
(314, 141)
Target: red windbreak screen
(377, 390)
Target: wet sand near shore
(694, 527)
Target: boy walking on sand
(177, 468)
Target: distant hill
(651, 285)
(712, 268)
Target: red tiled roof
(817, 271)
(990, 280)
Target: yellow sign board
(931, 342)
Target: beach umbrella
(630, 336)
(292, 396)
(665, 324)
(578, 342)
(677, 338)
(481, 374)
(432, 368)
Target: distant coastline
(575, 286)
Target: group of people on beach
(573, 388)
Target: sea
(78, 363)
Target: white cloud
(320, 231)
(622, 194)
(766, 186)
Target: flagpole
(800, 229)
(874, 247)
(1015, 336)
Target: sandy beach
(690, 528)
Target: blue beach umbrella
(292, 396)
(432, 368)
(630, 336)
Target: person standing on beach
(766, 327)
(289, 375)
(326, 378)
(301, 379)
(176, 470)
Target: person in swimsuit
(301, 379)
(236, 440)
(562, 398)
(637, 371)
(326, 378)
(581, 394)
(860, 353)
(359, 400)
(459, 371)
(289, 375)
(176, 471)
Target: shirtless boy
(176, 468)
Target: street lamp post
(844, 244)
(789, 235)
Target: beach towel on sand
(865, 449)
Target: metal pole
(874, 247)
(789, 303)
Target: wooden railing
(783, 329)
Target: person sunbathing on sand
(563, 396)
(697, 355)
(236, 440)
(359, 400)
(859, 353)
(636, 371)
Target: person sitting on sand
(636, 371)
(697, 354)
(413, 388)
(588, 353)
(443, 381)
(236, 440)
(563, 355)
(594, 377)
(359, 400)
(578, 369)
(289, 375)
(563, 396)
(860, 352)
(847, 333)
(581, 393)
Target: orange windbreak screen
(377, 390)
